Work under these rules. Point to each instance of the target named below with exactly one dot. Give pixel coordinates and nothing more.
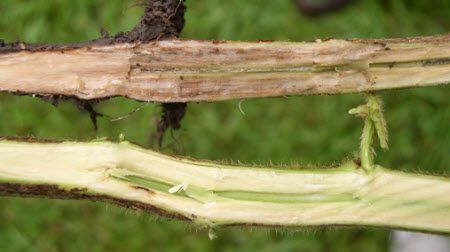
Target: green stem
(373, 122)
(213, 194)
(367, 152)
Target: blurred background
(306, 130)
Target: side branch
(214, 194)
(189, 70)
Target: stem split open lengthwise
(189, 70)
(225, 195)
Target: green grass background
(309, 130)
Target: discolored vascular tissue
(162, 19)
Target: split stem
(213, 194)
(191, 71)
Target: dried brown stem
(187, 70)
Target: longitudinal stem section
(189, 70)
(215, 194)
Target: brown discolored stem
(176, 70)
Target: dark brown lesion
(55, 192)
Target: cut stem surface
(190, 70)
(225, 195)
